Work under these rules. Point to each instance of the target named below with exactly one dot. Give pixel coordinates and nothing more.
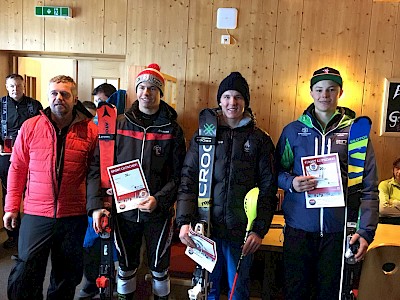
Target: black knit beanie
(234, 81)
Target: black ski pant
(312, 264)
(39, 237)
(4, 166)
(158, 237)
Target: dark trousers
(91, 261)
(312, 264)
(39, 237)
(158, 236)
(4, 166)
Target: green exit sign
(53, 11)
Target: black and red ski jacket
(161, 150)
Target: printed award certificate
(128, 184)
(329, 189)
(205, 253)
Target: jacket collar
(248, 118)
(166, 114)
(342, 118)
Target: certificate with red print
(205, 253)
(128, 184)
(329, 189)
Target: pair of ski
(206, 140)
(107, 117)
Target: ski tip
(365, 118)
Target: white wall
(44, 69)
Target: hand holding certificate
(129, 186)
(148, 204)
(205, 253)
(325, 169)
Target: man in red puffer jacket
(48, 171)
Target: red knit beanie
(153, 75)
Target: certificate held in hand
(128, 184)
(326, 170)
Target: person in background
(149, 132)
(389, 197)
(313, 244)
(15, 108)
(244, 159)
(102, 93)
(48, 172)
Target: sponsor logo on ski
(358, 139)
(204, 175)
(209, 129)
(204, 140)
(105, 136)
(204, 202)
(105, 113)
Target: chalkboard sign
(390, 117)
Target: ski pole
(250, 207)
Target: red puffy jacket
(33, 165)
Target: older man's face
(15, 88)
(61, 98)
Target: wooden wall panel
(252, 55)
(83, 33)
(338, 39)
(157, 33)
(384, 31)
(286, 64)
(11, 24)
(197, 66)
(4, 71)
(33, 28)
(115, 26)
